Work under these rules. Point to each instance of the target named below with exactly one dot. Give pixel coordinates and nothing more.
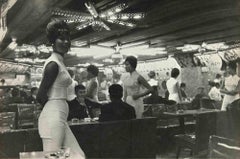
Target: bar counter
(117, 139)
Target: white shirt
(215, 94)
(153, 82)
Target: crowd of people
(64, 99)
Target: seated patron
(77, 107)
(154, 98)
(31, 99)
(182, 89)
(116, 109)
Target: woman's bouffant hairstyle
(175, 72)
(132, 61)
(55, 28)
(93, 69)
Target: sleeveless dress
(52, 123)
(231, 83)
(132, 86)
(172, 89)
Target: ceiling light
(110, 13)
(118, 10)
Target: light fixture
(95, 19)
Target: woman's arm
(90, 90)
(142, 81)
(49, 76)
(233, 92)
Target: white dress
(52, 124)
(231, 83)
(132, 86)
(172, 89)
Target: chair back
(233, 113)
(220, 147)
(26, 114)
(7, 120)
(205, 127)
(208, 103)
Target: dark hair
(71, 73)
(79, 87)
(115, 91)
(33, 89)
(175, 72)
(183, 84)
(93, 69)
(232, 65)
(218, 75)
(132, 61)
(3, 80)
(55, 28)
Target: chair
(26, 115)
(208, 103)
(7, 120)
(198, 141)
(220, 147)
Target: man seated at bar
(77, 107)
(116, 109)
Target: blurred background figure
(133, 84)
(117, 79)
(71, 88)
(214, 92)
(182, 89)
(164, 87)
(231, 89)
(152, 81)
(32, 98)
(196, 102)
(3, 82)
(173, 86)
(116, 109)
(104, 87)
(92, 84)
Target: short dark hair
(71, 73)
(175, 72)
(79, 87)
(115, 91)
(183, 84)
(132, 61)
(55, 28)
(93, 69)
(232, 65)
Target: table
(181, 114)
(44, 155)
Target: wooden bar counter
(117, 139)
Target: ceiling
(167, 23)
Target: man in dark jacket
(116, 109)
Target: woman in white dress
(52, 94)
(231, 88)
(133, 85)
(173, 86)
